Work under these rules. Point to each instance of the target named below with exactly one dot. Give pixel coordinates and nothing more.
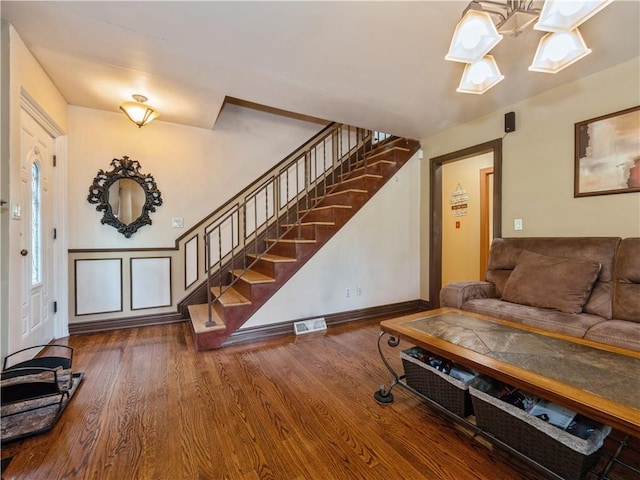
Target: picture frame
(607, 154)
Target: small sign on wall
(458, 201)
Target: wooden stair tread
(251, 276)
(200, 316)
(270, 257)
(288, 225)
(364, 175)
(325, 207)
(230, 297)
(348, 190)
(291, 240)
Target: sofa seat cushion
(572, 324)
(563, 284)
(616, 332)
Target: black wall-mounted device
(509, 122)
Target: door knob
(24, 252)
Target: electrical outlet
(358, 290)
(517, 224)
(347, 292)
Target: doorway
(33, 215)
(438, 210)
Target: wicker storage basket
(567, 455)
(451, 393)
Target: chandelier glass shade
(475, 35)
(558, 50)
(138, 112)
(480, 76)
(565, 16)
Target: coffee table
(599, 381)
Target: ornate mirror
(125, 195)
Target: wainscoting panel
(190, 262)
(150, 282)
(98, 286)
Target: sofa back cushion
(563, 284)
(505, 252)
(626, 288)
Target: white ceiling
(377, 65)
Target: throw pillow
(562, 284)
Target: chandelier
(138, 111)
(484, 23)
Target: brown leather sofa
(587, 287)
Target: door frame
(486, 175)
(435, 218)
(59, 186)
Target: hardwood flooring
(150, 407)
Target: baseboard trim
(253, 333)
(263, 332)
(79, 328)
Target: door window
(36, 224)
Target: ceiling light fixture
(138, 112)
(484, 22)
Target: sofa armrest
(455, 294)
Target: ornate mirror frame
(124, 168)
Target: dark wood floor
(150, 407)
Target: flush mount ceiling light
(138, 112)
(484, 22)
(567, 15)
(475, 35)
(480, 76)
(558, 50)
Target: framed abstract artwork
(607, 154)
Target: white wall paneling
(98, 286)
(150, 282)
(190, 261)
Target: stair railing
(279, 203)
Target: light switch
(517, 224)
(177, 222)
(16, 211)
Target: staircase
(282, 254)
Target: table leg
(383, 395)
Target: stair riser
(265, 267)
(272, 269)
(344, 198)
(385, 169)
(293, 250)
(307, 232)
(370, 184)
(220, 310)
(210, 340)
(377, 168)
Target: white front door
(34, 215)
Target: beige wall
(538, 161)
(461, 246)
(196, 169)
